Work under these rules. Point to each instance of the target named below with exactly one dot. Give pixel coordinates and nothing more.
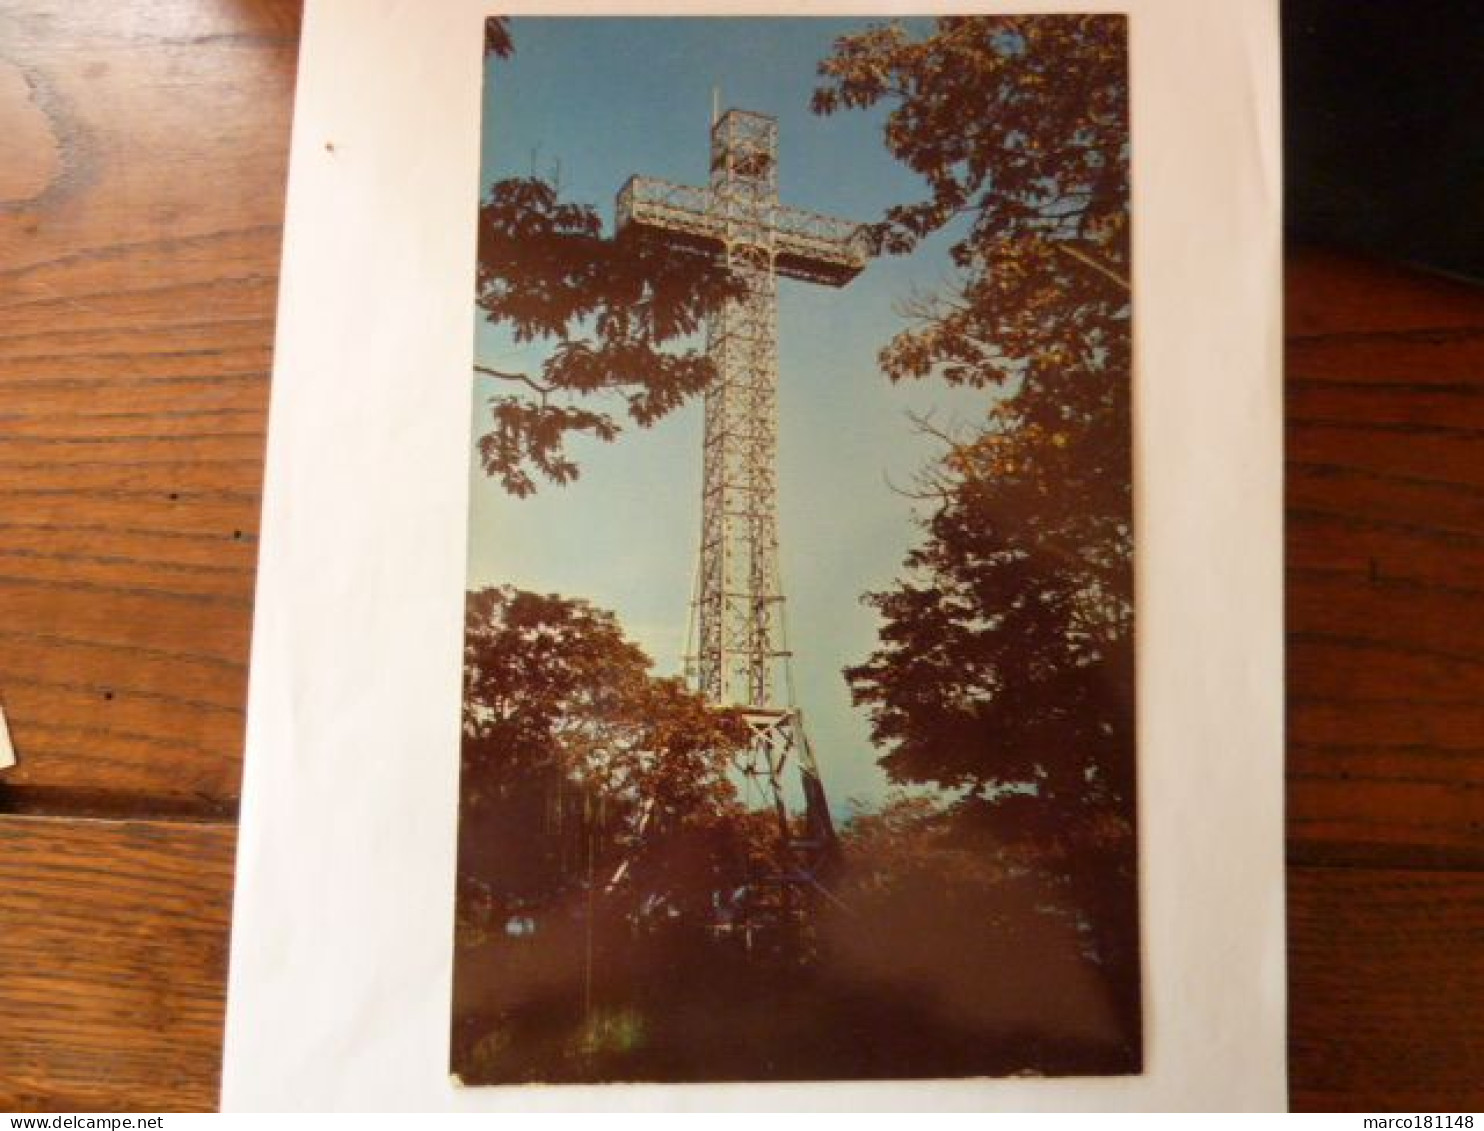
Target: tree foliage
(612, 313)
(1004, 657)
(576, 758)
(979, 928)
(1018, 126)
(497, 41)
(1004, 669)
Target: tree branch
(505, 375)
(1088, 261)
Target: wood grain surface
(143, 148)
(1386, 976)
(1385, 398)
(1385, 543)
(112, 960)
(142, 160)
(139, 244)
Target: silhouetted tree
(576, 758)
(971, 928)
(1019, 127)
(497, 40)
(1005, 664)
(611, 311)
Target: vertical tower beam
(738, 652)
(740, 643)
(739, 595)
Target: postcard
(771, 586)
(799, 699)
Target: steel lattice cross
(738, 648)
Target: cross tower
(738, 648)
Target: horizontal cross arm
(806, 245)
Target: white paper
(342, 937)
(7, 750)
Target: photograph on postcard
(798, 726)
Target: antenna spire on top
(715, 105)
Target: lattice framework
(738, 647)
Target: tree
(497, 41)
(611, 310)
(1004, 670)
(966, 925)
(576, 759)
(1003, 654)
(1005, 658)
(1018, 125)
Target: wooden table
(142, 162)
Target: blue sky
(598, 99)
